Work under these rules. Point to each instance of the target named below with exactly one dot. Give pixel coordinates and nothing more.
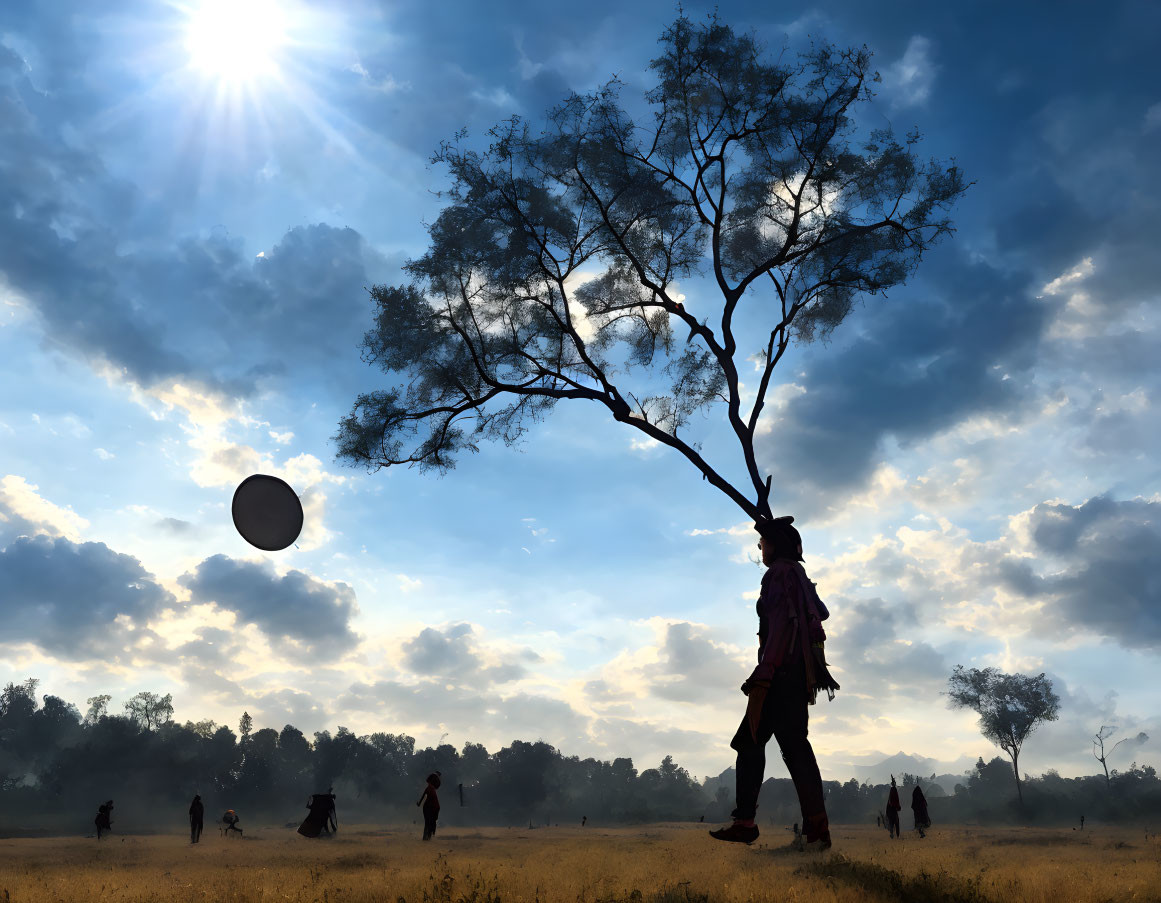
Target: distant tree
(552, 273)
(204, 729)
(149, 710)
(98, 708)
(1098, 742)
(1010, 707)
(245, 726)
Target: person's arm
(764, 672)
(421, 798)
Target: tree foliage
(150, 710)
(1010, 706)
(552, 273)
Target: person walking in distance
(791, 670)
(104, 819)
(919, 808)
(893, 808)
(430, 802)
(196, 816)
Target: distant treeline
(57, 766)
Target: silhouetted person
(196, 814)
(919, 809)
(430, 802)
(104, 819)
(878, 821)
(317, 821)
(791, 670)
(331, 825)
(893, 808)
(1082, 823)
(230, 822)
(584, 819)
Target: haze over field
(193, 199)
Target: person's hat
(779, 531)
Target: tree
(149, 710)
(98, 708)
(1010, 707)
(1099, 739)
(750, 170)
(245, 726)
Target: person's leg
(787, 708)
(749, 768)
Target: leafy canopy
(1009, 705)
(551, 273)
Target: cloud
(472, 714)
(908, 80)
(876, 644)
(76, 600)
(24, 512)
(1107, 580)
(175, 526)
(452, 654)
(693, 668)
(75, 248)
(295, 607)
(918, 367)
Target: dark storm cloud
(453, 654)
(65, 597)
(295, 607)
(1109, 580)
(921, 365)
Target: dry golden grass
(653, 864)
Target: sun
(237, 41)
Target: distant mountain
(877, 768)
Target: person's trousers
(429, 819)
(195, 830)
(784, 717)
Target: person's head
(892, 780)
(778, 539)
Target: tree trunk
(1016, 771)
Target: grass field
(651, 864)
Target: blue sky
(183, 256)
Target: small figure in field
(321, 815)
(791, 670)
(893, 808)
(879, 821)
(1082, 823)
(430, 802)
(196, 814)
(104, 819)
(919, 808)
(331, 825)
(585, 818)
(230, 822)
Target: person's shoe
(736, 833)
